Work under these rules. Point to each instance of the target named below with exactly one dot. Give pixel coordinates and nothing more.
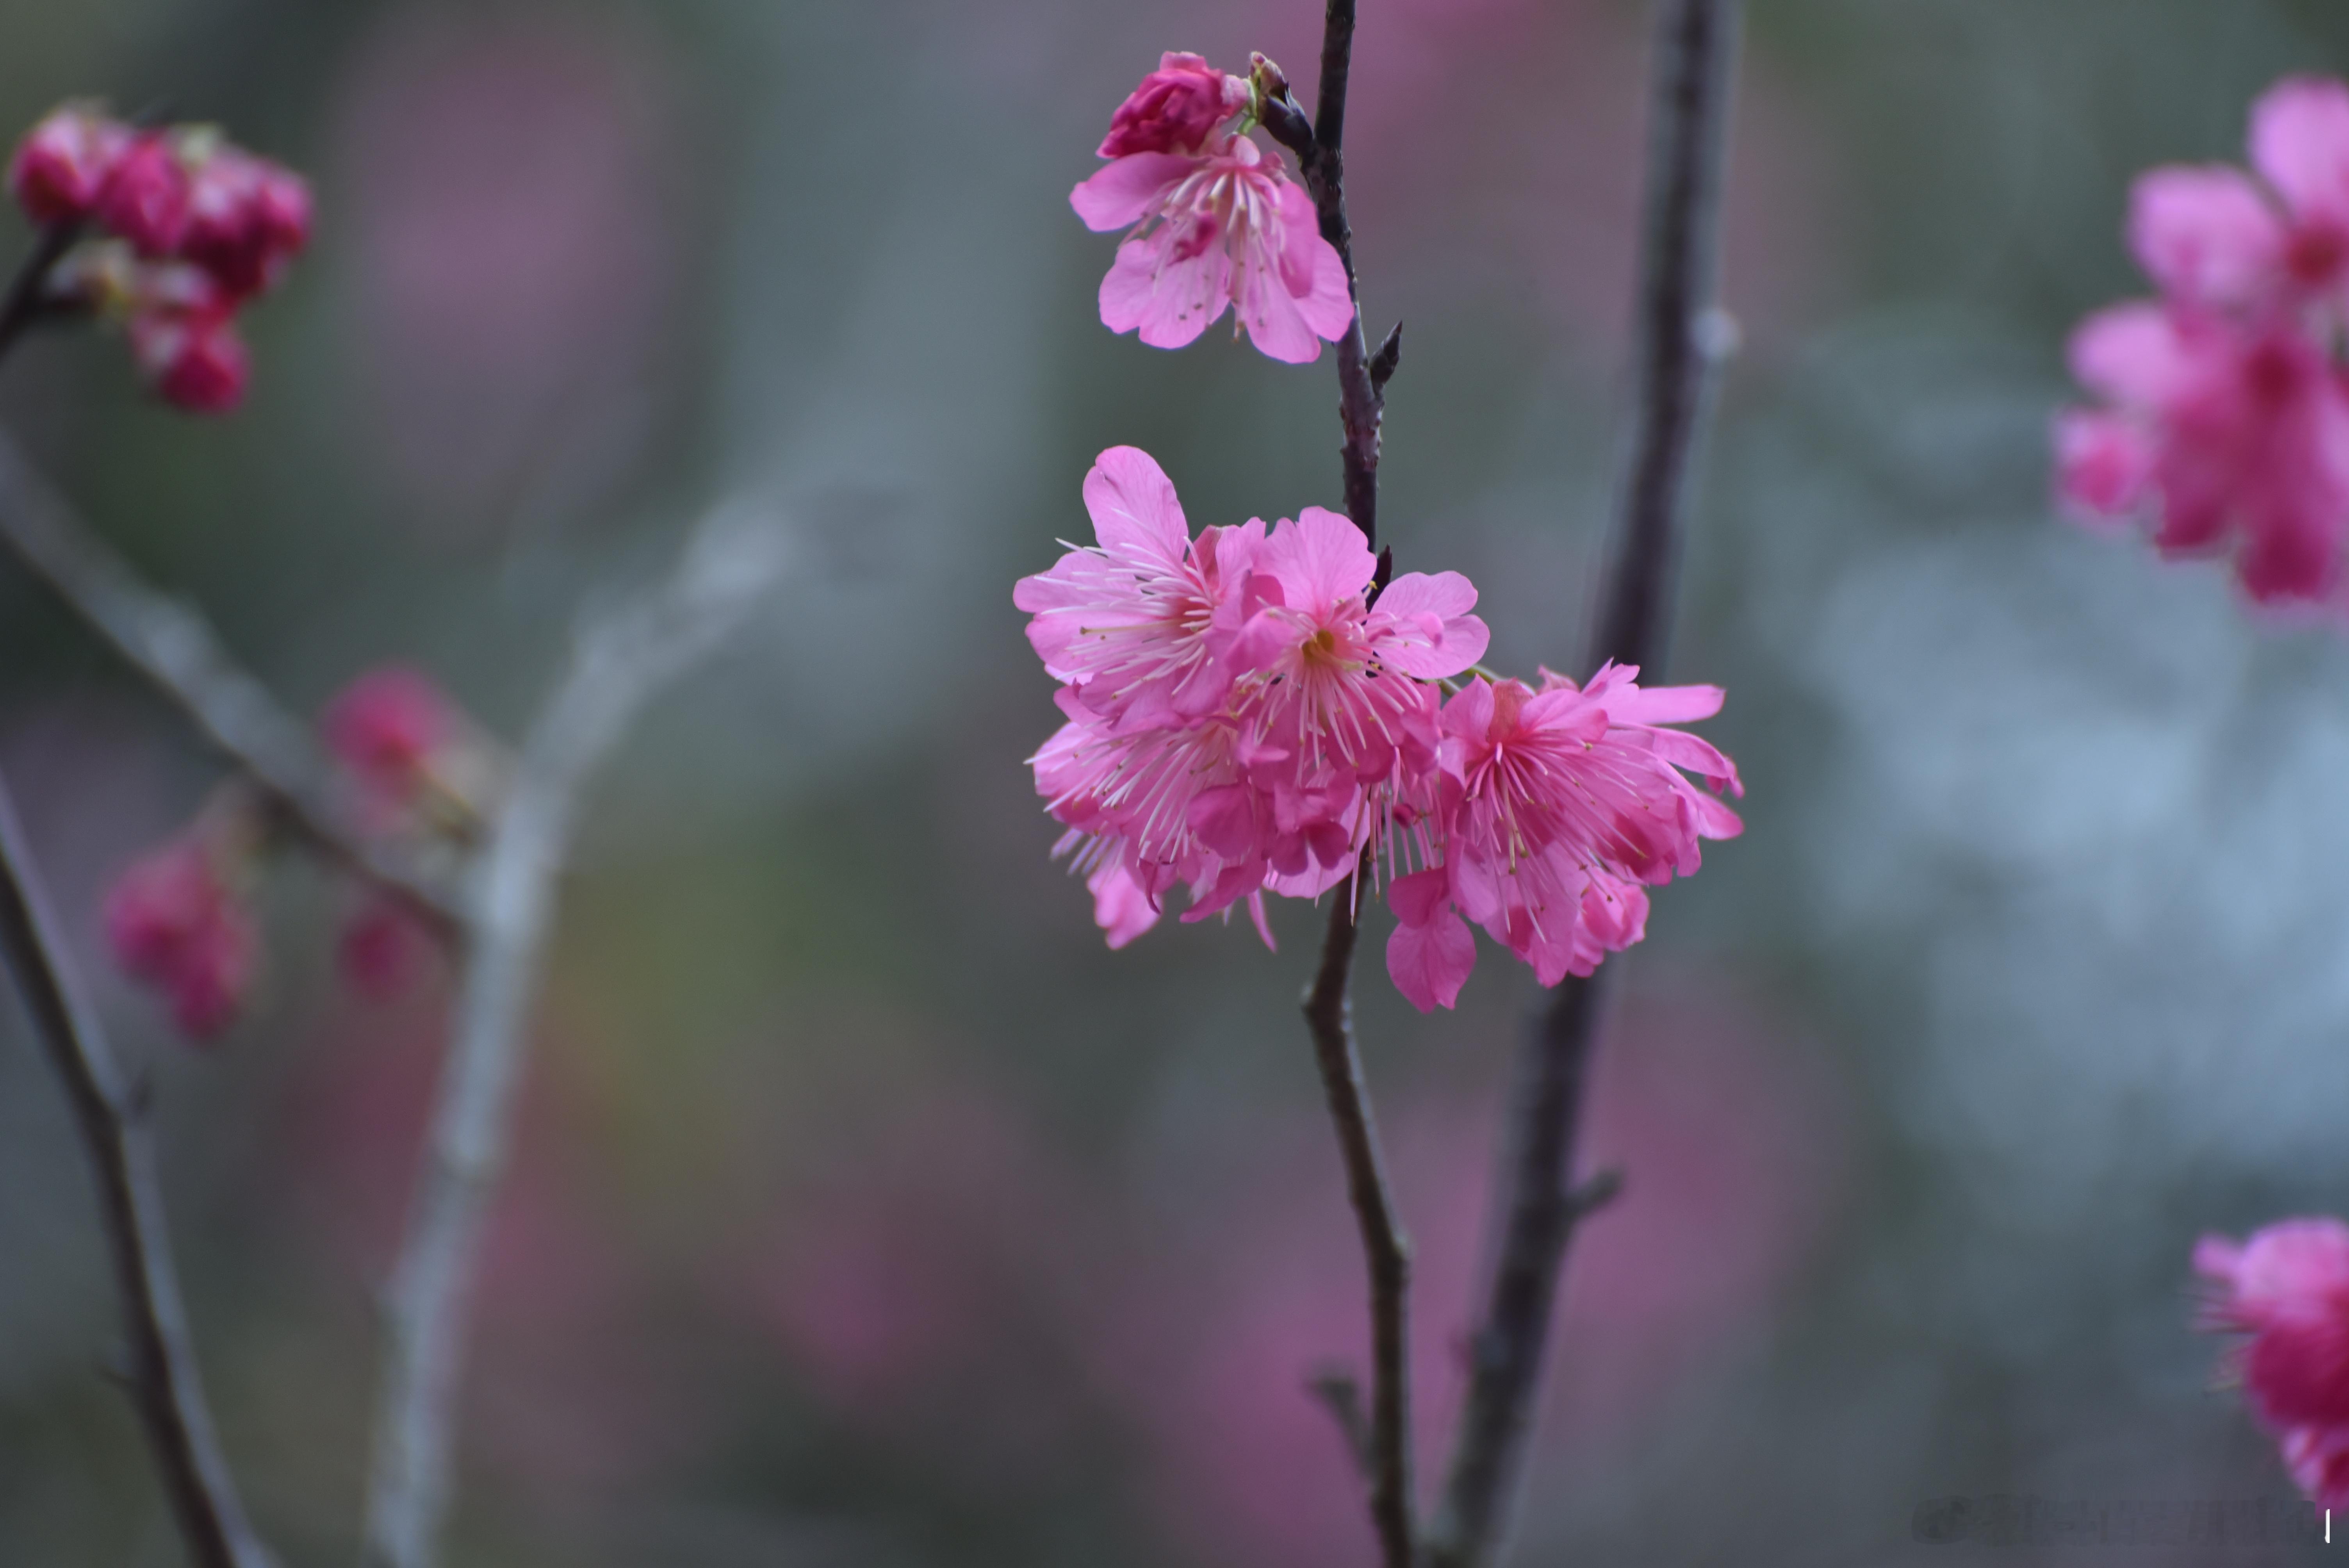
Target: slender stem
(22, 304)
(1678, 345)
(163, 1379)
(1329, 1016)
(180, 655)
(616, 666)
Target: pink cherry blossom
(1220, 228)
(1138, 623)
(2288, 1287)
(247, 219)
(385, 727)
(63, 163)
(2231, 437)
(174, 924)
(1554, 809)
(192, 358)
(145, 201)
(1177, 108)
(381, 949)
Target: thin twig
(160, 1373)
(1320, 158)
(23, 302)
(1328, 1016)
(617, 664)
(180, 655)
(1678, 343)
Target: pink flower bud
(146, 199)
(1175, 109)
(64, 162)
(174, 926)
(380, 951)
(192, 357)
(385, 727)
(247, 219)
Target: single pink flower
(2234, 437)
(192, 358)
(2318, 1458)
(2288, 1287)
(1138, 623)
(380, 950)
(247, 219)
(145, 201)
(64, 162)
(1214, 228)
(174, 926)
(385, 727)
(1555, 810)
(1177, 108)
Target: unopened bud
(146, 199)
(193, 359)
(63, 163)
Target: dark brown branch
(1320, 158)
(159, 1373)
(177, 651)
(1329, 1016)
(1696, 45)
(25, 301)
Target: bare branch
(1328, 1016)
(25, 301)
(1696, 49)
(160, 1369)
(170, 644)
(618, 662)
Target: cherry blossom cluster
(1215, 222)
(180, 919)
(2287, 1287)
(191, 227)
(2223, 404)
(1254, 710)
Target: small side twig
(159, 1367)
(1678, 348)
(23, 302)
(1328, 1017)
(172, 646)
(618, 665)
(1341, 1396)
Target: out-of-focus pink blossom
(385, 727)
(248, 220)
(2233, 436)
(1177, 108)
(145, 201)
(1221, 228)
(2287, 1286)
(192, 358)
(174, 924)
(2226, 416)
(64, 162)
(1553, 809)
(381, 949)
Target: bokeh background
(868, 1211)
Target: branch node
(1384, 363)
(1595, 1193)
(1341, 1394)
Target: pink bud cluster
(178, 919)
(1250, 711)
(2223, 411)
(2287, 1287)
(1213, 223)
(198, 227)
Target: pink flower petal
(2205, 234)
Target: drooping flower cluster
(1249, 711)
(2287, 1287)
(1215, 222)
(194, 228)
(2223, 415)
(180, 920)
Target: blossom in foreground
(1215, 224)
(2287, 1287)
(2223, 411)
(1554, 811)
(175, 923)
(1249, 713)
(188, 228)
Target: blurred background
(867, 1211)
